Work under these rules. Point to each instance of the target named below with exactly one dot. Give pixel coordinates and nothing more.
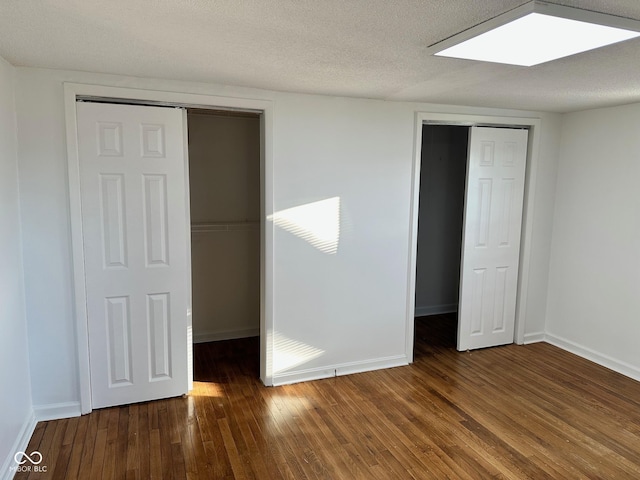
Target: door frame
(73, 91)
(533, 146)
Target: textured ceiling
(359, 48)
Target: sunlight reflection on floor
(206, 389)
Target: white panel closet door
(491, 240)
(132, 169)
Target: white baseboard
(534, 338)
(599, 358)
(369, 365)
(56, 411)
(225, 335)
(436, 309)
(339, 370)
(302, 376)
(20, 445)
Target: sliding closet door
(491, 241)
(132, 167)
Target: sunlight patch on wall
(289, 353)
(318, 223)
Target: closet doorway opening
(440, 226)
(225, 195)
(469, 221)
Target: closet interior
(440, 219)
(224, 183)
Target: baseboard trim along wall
(56, 411)
(348, 368)
(599, 358)
(435, 310)
(20, 445)
(225, 335)
(534, 338)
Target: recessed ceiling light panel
(536, 33)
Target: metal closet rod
(153, 103)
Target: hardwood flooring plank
(232, 450)
(132, 435)
(165, 431)
(155, 457)
(179, 472)
(87, 447)
(53, 455)
(97, 460)
(77, 444)
(144, 463)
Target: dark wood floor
(508, 412)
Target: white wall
(442, 189)
(16, 412)
(224, 183)
(544, 175)
(593, 304)
(44, 201)
(345, 309)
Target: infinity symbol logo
(21, 457)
